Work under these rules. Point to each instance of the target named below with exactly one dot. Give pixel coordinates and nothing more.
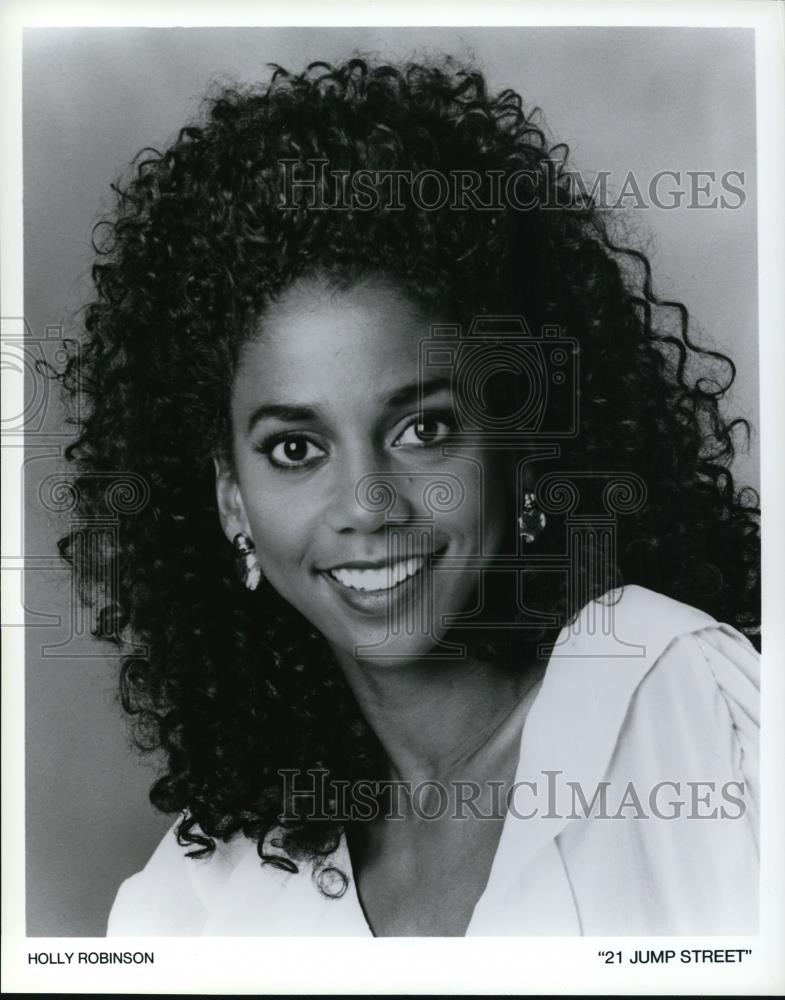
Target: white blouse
(649, 699)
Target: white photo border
(396, 966)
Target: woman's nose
(365, 495)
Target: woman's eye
(293, 451)
(425, 431)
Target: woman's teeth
(384, 578)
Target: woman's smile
(331, 481)
(384, 587)
(380, 576)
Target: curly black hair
(234, 685)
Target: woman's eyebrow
(416, 390)
(300, 413)
(291, 412)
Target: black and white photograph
(390, 472)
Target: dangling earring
(532, 520)
(248, 568)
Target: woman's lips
(370, 589)
(383, 578)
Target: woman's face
(325, 397)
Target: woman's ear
(231, 510)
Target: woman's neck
(442, 720)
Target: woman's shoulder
(697, 704)
(174, 894)
(668, 684)
(632, 634)
(689, 652)
(635, 623)
(702, 697)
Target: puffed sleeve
(697, 713)
(735, 665)
(174, 894)
(160, 899)
(689, 748)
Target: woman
(443, 577)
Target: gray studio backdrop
(640, 100)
